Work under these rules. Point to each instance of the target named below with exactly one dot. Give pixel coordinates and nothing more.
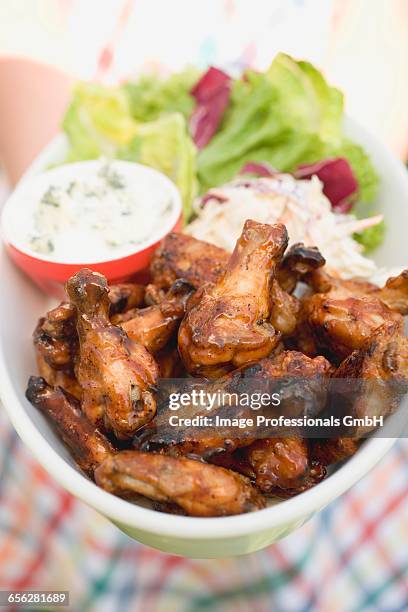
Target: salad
(204, 129)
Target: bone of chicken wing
(380, 371)
(344, 314)
(88, 446)
(117, 375)
(154, 326)
(182, 256)
(198, 488)
(226, 324)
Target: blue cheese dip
(94, 211)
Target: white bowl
(21, 305)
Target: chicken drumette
(154, 326)
(200, 489)
(343, 314)
(117, 375)
(182, 256)
(87, 444)
(227, 323)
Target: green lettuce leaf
(151, 95)
(165, 144)
(372, 237)
(98, 122)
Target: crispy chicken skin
(298, 262)
(182, 256)
(394, 293)
(380, 371)
(88, 446)
(198, 488)
(343, 315)
(117, 375)
(226, 324)
(154, 326)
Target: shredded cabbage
(299, 204)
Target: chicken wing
(198, 488)
(154, 326)
(88, 446)
(55, 336)
(305, 395)
(395, 293)
(379, 372)
(59, 378)
(342, 316)
(282, 466)
(117, 375)
(226, 324)
(182, 256)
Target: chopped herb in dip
(99, 214)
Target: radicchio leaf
(212, 94)
(340, 185)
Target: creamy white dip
(93, 211)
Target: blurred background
(354, 555)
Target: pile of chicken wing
(223, 318)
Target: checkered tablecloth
(353, 556)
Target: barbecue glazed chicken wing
(182, 256)
(344, 314)
(88, 446)
(117, 374)
(282, 466)
(227, 323)
(198, 488)
(380, 371)
(55, 337)
(307, 396)
(154, 326)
